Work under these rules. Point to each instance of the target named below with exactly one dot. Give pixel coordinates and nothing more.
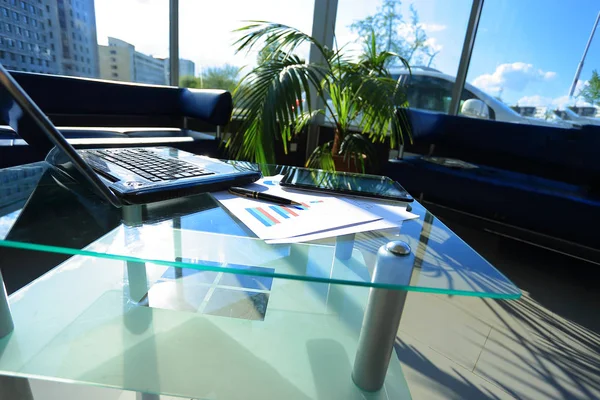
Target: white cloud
(430, 28)
(433, 44)
(513, 76)
(408, 31)
(535, 100)
(555, 102)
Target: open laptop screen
(19, 111)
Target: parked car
(580, 115)
(430, 89)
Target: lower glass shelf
(190, 333)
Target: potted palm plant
(273, 100)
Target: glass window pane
(428, 34)
(133, 40)
(206, 37)
(525, 58)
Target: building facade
(26, 39)
(120, 61)
(186, 68)
(74, 26)
(49, 36)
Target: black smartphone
(348, 184)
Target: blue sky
(526, 50)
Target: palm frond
(268, 106)
(282, 38)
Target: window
(34, 22)
(4, 12)
(31, 60)
(23, 5)
(113, 59)
(428, 34)
(20, 45)
(113, 67)
(2, 54)
(113, 52)
(220, 53)
(12, 56)
(526, 65)
(39, 61)
(115, 75)
(25, 19)
(49, 23)
(23, 58)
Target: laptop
(121, 176)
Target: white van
(429, 89)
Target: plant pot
(349, 165)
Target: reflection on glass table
(178, 298)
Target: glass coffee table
(179, 298)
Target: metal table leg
(136, 271)
(382, 317)
(15, 388)
(343, 246)
(6, 322)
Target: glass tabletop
(39, 212)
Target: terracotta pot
(345, 165)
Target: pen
(238, 191)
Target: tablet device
(347, 184)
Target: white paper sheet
(364, 227)
(271, 221)
(392, 217)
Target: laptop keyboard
(149, 165)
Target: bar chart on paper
(273, 215)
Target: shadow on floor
(557, 354)
(454, 388)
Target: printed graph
(273, 215)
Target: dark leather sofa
(533, 183)
(80, 102)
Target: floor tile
(430, 375)
(445, 328)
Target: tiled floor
(544, 346)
